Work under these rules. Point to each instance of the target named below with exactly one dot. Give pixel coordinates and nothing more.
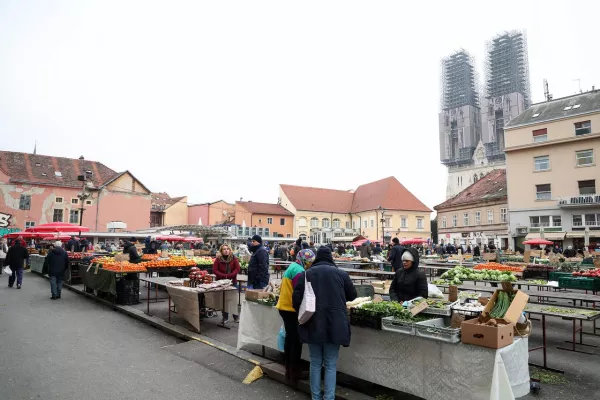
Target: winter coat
(377, 250)
(56, 262)
(16, 255)
(476, 252)
(129, 248)
(395, 257)
(258, 268)
(72, 245)
(226, 269)
(365, 250)
(333, 288)
(341, 250)
(409, 283)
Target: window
(29, 224)
(541, 163)
(503, 218)
(403, 222)
(74, 201)
(372, 222)
(540, 221)
(314, 222)
(74, 216)
(540, 135)
(347, 224)
(325, 223)
(289, 235)
(25, 202)
(366, 224)
(543, 192)
(260, 220)
(387, 222)
(336, 223)
(454, 220)
(270, 221)
(466, 219)
(477, 217)
(444, 222)
(584, 157)
(490, 214)
(577, 220)
(57, 216)
(302, 222)
(556, 220)
(58, 200)
(419, 223)
(281, 221)
(353, 224)
(266, 231)
(583, 128)
(592, 219)
(88, 202)
(587, 187)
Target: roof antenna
(35, 148)
(547, 94)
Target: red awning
(58, 227)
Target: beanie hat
(58, 243)
(257, 238)
(324, 254)
(407, 256)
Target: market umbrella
(171, 238)
(192, 239)
(412, 241)
(58, 227)
(537, 242)
(24, 235)
(62, 238)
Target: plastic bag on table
(434, 292)
(7, 270)
(281, 339)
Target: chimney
(81, 158)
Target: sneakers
(224, 321)
(53, 298)
(58, 297)
(236, 319)
(18, 286)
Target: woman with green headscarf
(293, 347)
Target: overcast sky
(228, 99)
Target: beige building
(476, 215)
(378, 209)
(168, 211)
(552, 171)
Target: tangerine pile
(498, 267)
(124, 266)
(170, 263)
(150, 257)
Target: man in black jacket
(129, 248)
(395, 255)
(57, 263)
(73, 244)
(15, 258)
(258, 267)
(409, 282)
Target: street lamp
(383, 210)
(84, 195)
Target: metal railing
(586, 199)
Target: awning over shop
(547, 235)
(343, 238)
(580, 234)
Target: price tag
(452, 293)
(121, 257)
(418, 308)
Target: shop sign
(4, 220)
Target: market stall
(426, 368)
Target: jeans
(293, 347)
(56, 283)
(325, 354)
(17, 273)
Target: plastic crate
(553, 276)
(446, 312)
(365, 319)
(387, 268)
(392, 324)
(128, 290)
(436, 329)
(579, 283)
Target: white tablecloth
(188, 306)
(426, 368)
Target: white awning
(342, 238)
(547, 235)
(579, 234)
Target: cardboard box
(486, 336)
(516, 307)
(255, 294)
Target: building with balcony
(377, 210)
(552, 171)
(477, 215)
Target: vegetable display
(502, 304)
(592, 273)
(569, 311)
(459, 274)
(498, 267)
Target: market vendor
(129, 248)
(409, 282)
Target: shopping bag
(309, 303)
(281, 338)
(7, 270)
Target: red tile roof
(163, 199)
(387, 193)
(263, 208)
(315, 199)
(492, 187)
(55, 171)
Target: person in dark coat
(15, 258)
(476, 251)
(395, 255)
(73, 244)
(258, 267)
(409, 282)
(295, 250)
(377, 250)
(341, 250)
(57, 263)
(129, 248)
(305, 246)
(328, 328)
(365, 250)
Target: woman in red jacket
(226, 266)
